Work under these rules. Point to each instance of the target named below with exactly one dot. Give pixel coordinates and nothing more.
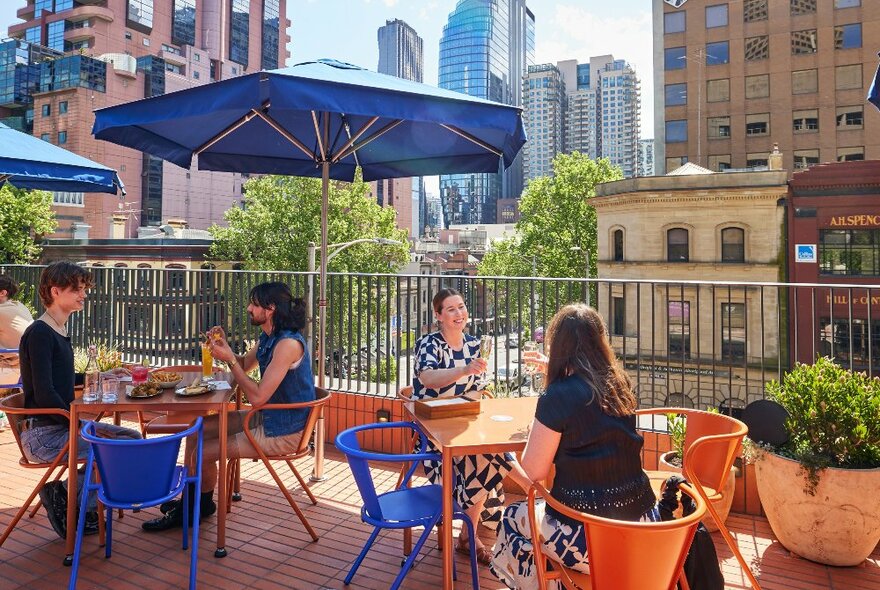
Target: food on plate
(145, 390)
(165, 377)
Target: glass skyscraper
(485, 50)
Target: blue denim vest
(298, 385)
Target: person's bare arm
(287, 351)
(540, 450)
(440, 378)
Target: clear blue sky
(565, 29)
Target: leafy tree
(556, 229)
(282, 214)
(25, 217)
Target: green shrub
(109, 357)
(677, 428)
(384, 371)
(834, 417)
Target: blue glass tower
(485, 50)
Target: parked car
(513, 340)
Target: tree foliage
(25, 217)
(282, 214)
(557, 223)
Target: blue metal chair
(136, 474)
(404, 507)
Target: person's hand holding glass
(535, 362)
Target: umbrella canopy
(29, 162)
(874, 92)
(324, 119)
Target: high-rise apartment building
(400, 51)
(734, 78)
(485, 51)
(646, 158)
(400, 55)
(592, 108)
(70, 57)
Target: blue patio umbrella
(874, 91)
(324, 119)
(31, 163)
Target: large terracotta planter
(839, 525)
(721, 505)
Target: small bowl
(166, 384)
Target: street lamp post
(586, 252)
(332, 251)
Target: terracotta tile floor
(268, 548)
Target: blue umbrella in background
(874, 91)
(31, 163)
(324, 119)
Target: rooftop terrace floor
(268, 548)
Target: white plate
(501, 418)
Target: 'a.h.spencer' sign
(865, 220)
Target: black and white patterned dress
(478, 477)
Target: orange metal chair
(623, 555)
(13, 406)
(316, 407)
(712, 443)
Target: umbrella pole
(320, 434)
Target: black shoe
(166, 507)
(174, 517)
(91, 526)
(54, 499)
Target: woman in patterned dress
(585, 426)
(447, 364)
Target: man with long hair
(286, 377)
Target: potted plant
(821, 488)
(676, 426)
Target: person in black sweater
(586, 427)
(48, 380)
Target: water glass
(485, 347)
(91, 393)
(109, 390)
(531, 369)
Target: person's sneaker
(54, 499)
(174, 517)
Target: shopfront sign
(864, 220)
(805, 253)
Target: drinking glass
(91, 393)
(139, 374)
(485, 347)
(109, 388)
(207, 362)
(530, 368)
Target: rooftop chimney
(177, 223)
(774, 162)
(117, 230)
(80, 230)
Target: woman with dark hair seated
(585, 426)
(447, 364)
(286, 377)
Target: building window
(674, 58)
(675, 162)
(850, 117)
(618, 316)
(183, 22)
(676, 131)
(46, 110)
(677, 245)
(805, 158)
(44, 136)
(847, 3)
(719, 163)
(848, 36)
(62, 137)
(717, 53)
(617, 239)
(718, 90)
(850, 154)
(758, 124)
(676, 94)
(239, 32)
(806, 121)
(804, 42)
(674, 22)
(799, 7)
(55, 35)
(733, 331)
(716, 16)
(719, 127)
(756, 160)
(140, 15)
(848, 77)
(196, 74)
(175, 280)
(754, 10)
(758, 86)
(67, 198)
(678, 319)
(271, 35)
(757, 48)
(733, 244)
(804, 81)
(62, 107)
(849, 252)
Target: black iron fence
(684, 343)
